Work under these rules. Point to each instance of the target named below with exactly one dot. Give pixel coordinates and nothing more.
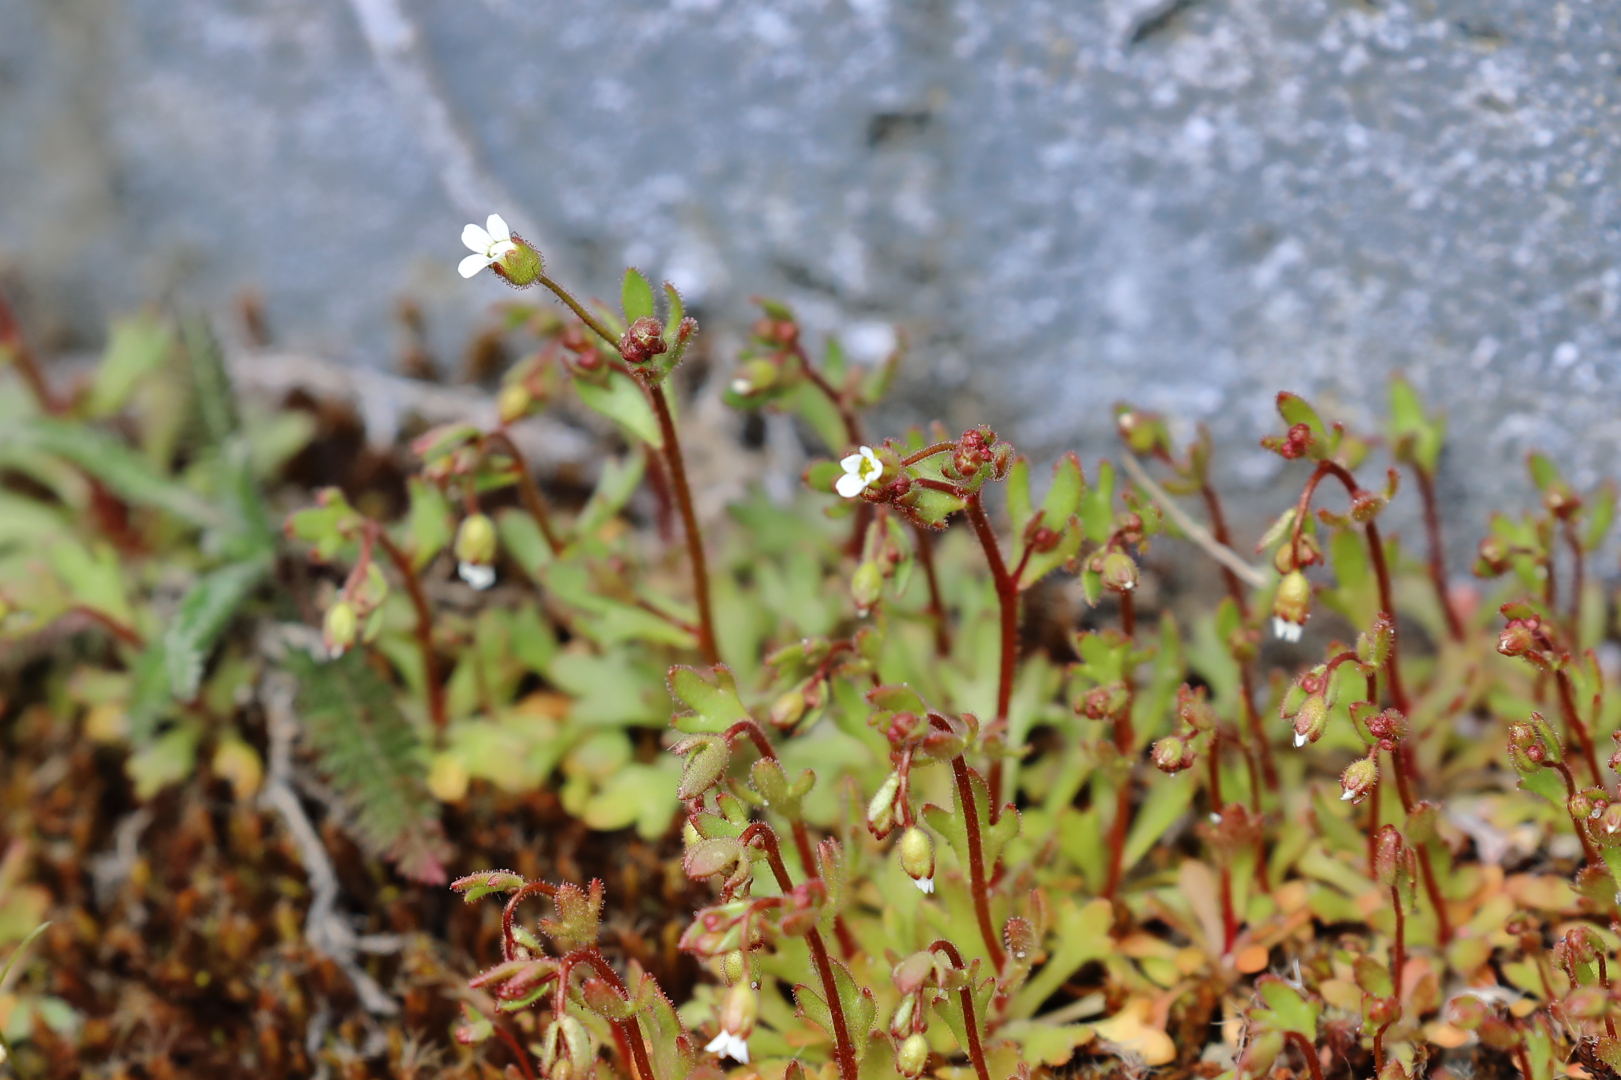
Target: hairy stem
(1574, 724)
(527, 490)
(424, 625)
(1398, 946)
(978, 883)
(689, 521)
(970, 1023)
(1007, 598)
(629, 1029)
(1402, 766)
(1307, 1051)
(843, 1047)
(1437, 564)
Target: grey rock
(1188, 204)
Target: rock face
(1184, 203)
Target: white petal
(924, 885)
(741, 386)
(1347, 796)
(502, 247)
(849, 485)
(476, 239)
(477, 575)
(872, 458)
(498, 227)
(471, 265)
(852, 463)
(1300, 740)
(728, 1045)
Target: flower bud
(1610, 821)
(787, 710)
(475, 540)
(912, 1056)
(1587, 1003)
(1312, 719)
(1365, 506)
(566, 1052)
(1291, 606)
(1143, 432)
(753, 377)
(866, 584)
(739, 1010)
(513, 402)
(917, 857)
(642, 341)
(1171, 755)
(881, 807)
(1119, 572)
(1387, 855)
(1518, 637)
(900, 1021)
(1358, 780)
(1193, 710)
(338, 632)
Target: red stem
(1307, 1051)
(1007, 597)
(970, 1022)
(1438, 573)
(527, 491)
(689, 521)
(927, 452)
(977, 882)
(1578, 574)
(843, 1048)
(516, 1047)
(629, 1030)
(1252, 720)
(1398, 947)
(1577, 823)
(22, 358)
(1573, 722)
(424, 624)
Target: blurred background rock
(1185, 203)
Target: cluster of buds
(770, 365)
(1387, 728)
(642, 340)
(977, 457)
(1296, 443)
(1175, 752)
(1306, 705)
(1532, 744)
(1525, 635)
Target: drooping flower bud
(738, 1011)
(1518, 637)
(881, 807)
(339, 629)
(912, 1056)
(1491, 558)
(1171, 755)
(475, 551)
(1358, 780)
(1291, 606)
(916, 852)
(566, 1052)
(1119, 572)
(866, 584)
(1312, 719)
(513, 402)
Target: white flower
(728, 1045)
(479, 575)
(1345, 796)
(1300, 740)
(488, 244)
(860, 470)
(1284, 630)
(924, 885)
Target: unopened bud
(1193, 710)
(881, 807)
(1518, 637)
(1291, 606)
(917, 857)
(753, 377)
(475, 540)
(341, 625)
(1312, 720)
(642, 341)
(513, 402)
(1119, 572)
(913, 1056)
(787, 710)
(866, 584)
(1491, 558)
(1171, 755)
(566, 1050)
(1358, 780)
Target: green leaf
(1019, 510)
(1416, 435)
(635, 296)
(427, 522)
(1168, 799)
(170, 758)
(1286, 1009)
(374, 759)
(675, 308)
(204, 612)
(1600, 514)
(1543, 471)
(1294, 410)
(135, 347)
(211, 385)
(1080, 934)
(712, 697)
(95, 577)
(125, 472)
(1096, 505)
(618, 482)
(621, 400)
(1064, 493)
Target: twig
(1198, 534)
